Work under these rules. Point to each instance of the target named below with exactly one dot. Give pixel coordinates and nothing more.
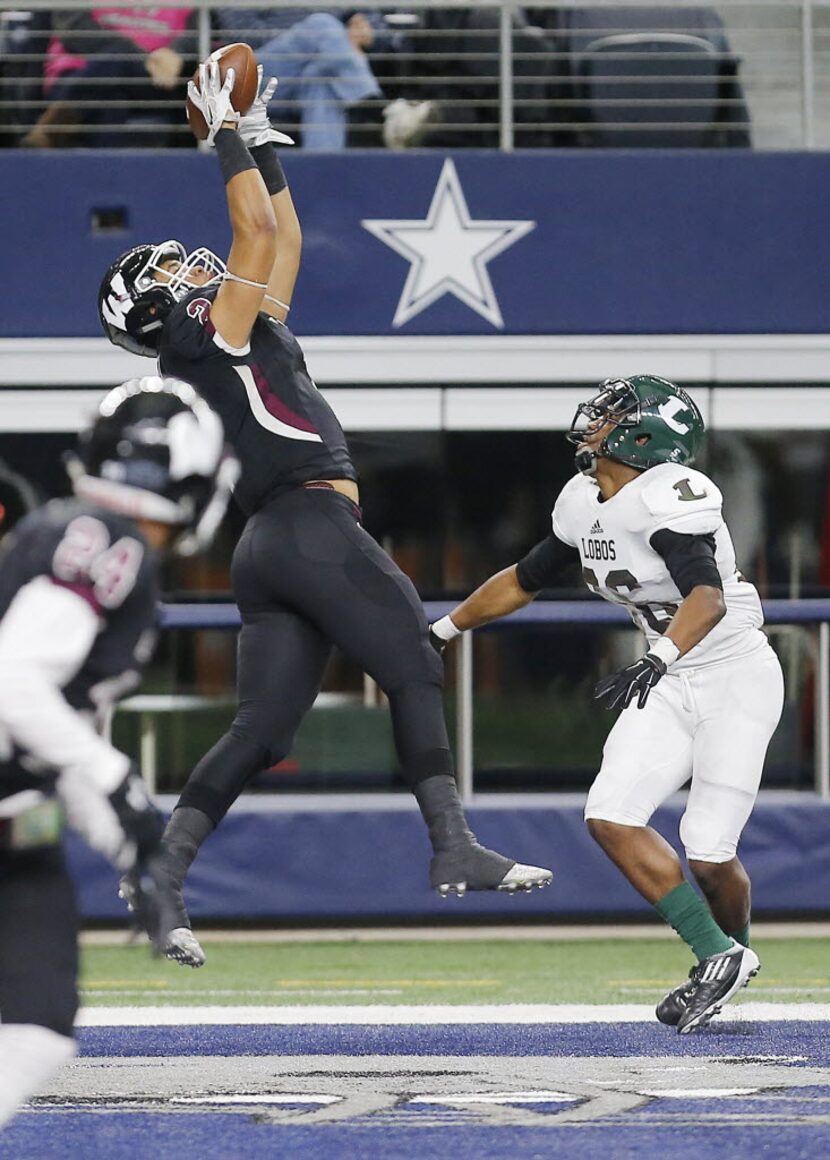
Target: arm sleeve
(542, 566)
(45, 637)
(689, 559)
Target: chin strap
(586, 461)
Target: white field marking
(264, 1099)
(699, 1093)
(540, 1097)
(336, 992)
(433, 1015)
(758, 988)
(534, 933)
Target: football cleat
(714, 981)
(671, 1007)
(473, 867)
(182, 946)
(179, 944)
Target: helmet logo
(667, 412)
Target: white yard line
(374, 1016)
(535, 933)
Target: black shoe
(673, 1005)
(473, 867)
(178, 943)
(715, 980)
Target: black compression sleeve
(689, 559)
(270, 166)
(542, 566)
(232, 154)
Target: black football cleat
(715, 980)
(671, 1007)
(179, 944)
(473, 867)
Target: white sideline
(376, 1016)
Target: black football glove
(153, 905)
(437, 642)
(141, 822)
(635, 680)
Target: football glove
(141, 822)
(635, 680)
(437, 643)
(254, 126)
(213, 98)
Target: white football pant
(712, 724)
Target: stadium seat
(654, 78)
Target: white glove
(213, 98)
(254, 127)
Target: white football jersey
(618, 562)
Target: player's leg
(647, 757)
(38, 972)
(280, 664)
(740, 705)
(357, 596)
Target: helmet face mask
(138, 291)
(651, 421)
(156, 451)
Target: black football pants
(307, 576)
(38, 940)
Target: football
(241, 59)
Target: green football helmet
(654, 422)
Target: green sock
(741, 936)
(692, 919)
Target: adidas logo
(596, 529)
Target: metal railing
(553, 73)
(566, 613)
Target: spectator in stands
(320, 60)
(109, 66)
(459, 72)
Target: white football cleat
(182, 946)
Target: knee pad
(708, 835)
(609, 801)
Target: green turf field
(507, 970)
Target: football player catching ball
(703, 700)
(305, 573)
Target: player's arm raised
(260, 137)
(254, 246)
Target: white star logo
(448, 252)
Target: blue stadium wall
(621, 243)
(613, 243)
(273, 860)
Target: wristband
(233, 156)
(446, 628)
(270, 166)
(666, 650)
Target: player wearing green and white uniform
(703, 700)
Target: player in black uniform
(77, 617)
(305, 574)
